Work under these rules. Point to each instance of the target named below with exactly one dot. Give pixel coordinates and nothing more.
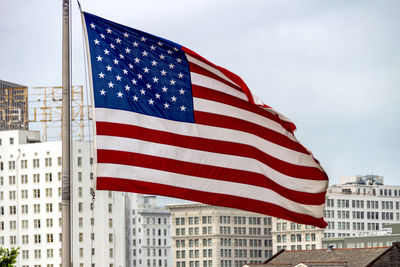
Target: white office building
(359, 206)
(294, 236)
(209, 236)
(30, 205)
(148, 232)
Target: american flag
(169, 122)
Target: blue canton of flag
(136, 71)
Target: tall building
(148, 232)
(359, 206)
(13, 106)
(30, 205)
(209, 236)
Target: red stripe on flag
(210, 172)
(216, 146)
(117, 184)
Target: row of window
(193, 231)
(356, 226)
(194, 220)
(370, 215)
(295, 238)
(370, 204)
(193, 253)
(36, 178)
(293, 226)
(36, 163)
(36, 208)
(205, 263)
(193, 243)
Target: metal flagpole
(66, 136)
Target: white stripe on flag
(205, 81)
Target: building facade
(148, 232)
(209, 236)
(30, 205)
(294, 236)
(359, 206)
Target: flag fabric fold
(169, 122)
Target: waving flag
(171, 123)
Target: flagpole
(66, 137)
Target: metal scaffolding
(45, 112)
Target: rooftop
(353, 257)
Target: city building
(13, 106)
(209, 236)
(386, 237)
(30, 205)
(361, 205)
(294, 236)
(148, 232)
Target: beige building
(294, 236)
(209, 236)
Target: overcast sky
(333, 67)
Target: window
(47, 162)
(36, 193)
(49, 222)
(36, 223)
(36, 163)
(37, 239)
(36, 178)
(49, 192)
(49, 177)
(36, 208)
(24, 208)
(11, 165)
(38, 254)
(13, 210)
(13, 225)
(11, 140)
(11, 179)
(49, 207)
(24, 164)
(24, 179)
(79, 161)
(12, 195)
(50, 253)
